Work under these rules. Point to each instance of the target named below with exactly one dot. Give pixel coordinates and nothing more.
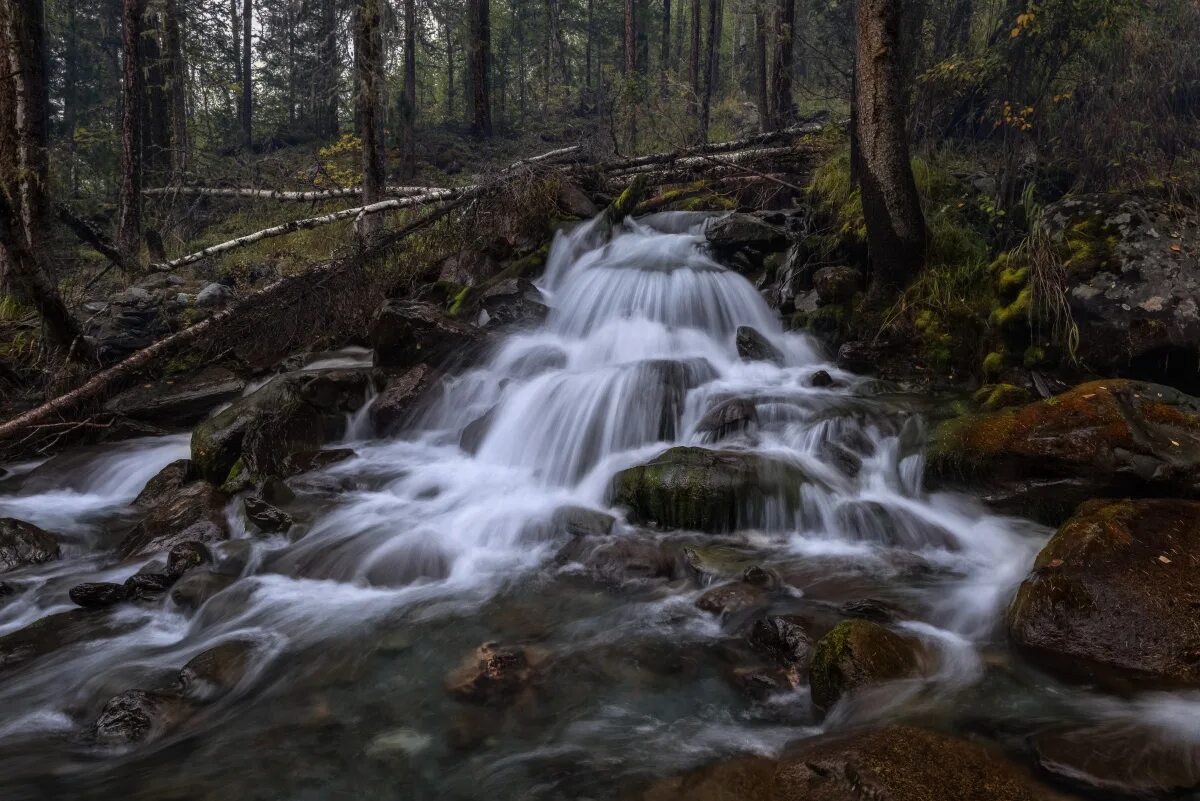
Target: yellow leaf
(1015, 33)
(1164, 560)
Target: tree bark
(783, 108)
(129, 208)
(408, 112)
(761, 99)
(694, 55)
(368, 70)
(71, 95)
(479, 63)
(156, 118)
(247, 77)
(710, 67)
(327, 85)
(896, 233)
(664, 50)
(177, 77)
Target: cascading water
(408, 556)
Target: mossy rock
(1108, 438)
(993, 397)
(1112, 599)
(904, 763)
(856, 654)
(711, 490)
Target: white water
(639, 345)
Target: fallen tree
(280, 194)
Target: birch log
(282, 194)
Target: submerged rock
(783, 639)
(1121, 758)
(290, 414)
(492, 675)
(709, 490)
(267, 518)
(754, 347)
(732, 598)
(193, 590)
(903, 763)
(57, 631)
(195, 512)
(727, 419)
(858, 653)
(213, 673)
(24, 544)
(137, 715)
(1108, 438)
(1113, 597)
(620, 559)
(406, 333)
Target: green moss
(1035, 356)
(1015, 314)
(994, 363)
(184, 363)
(993, 397)
(1012, 279)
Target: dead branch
(283, 194)
(90, 235)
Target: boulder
(178, 402)
(136, 715)
(148, 586)
(476, 431)
(215, 296)
(903, 763)
(267, 518)
(837, 283)
(579, 521)
(407, 333)
(754, 347)
(1112, 598)
(96, 595)
(186, 556)
(1119, 758)
(1132, 267)
(732, 598)
(24, 544)
(491, 676)
(710, 490)
(727, 419)
(821, 379)
(297, 463)
(195, 512)
(783, 639)
(621, 559)
(193, 590)
(131, 320)
(738, 231)
(1109, 438)
(291, 413)
(165, 483)
(511, 301)
(856, 654)
(56, 631)
(399, 400)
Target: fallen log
(92, 236)
(306, 223)
(282, 194)
(107, 382)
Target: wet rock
(195, 512)
(148, 586)
(783, 639)
(406, 333)
(24, 544)
(881, 358)
(56, 631)
(737, 231)
(754, 347)
(727, 419)
(512, 301)
(892, 762)
(215, 672)
(872, 609)
(275, 490)
(97, 595)
(709, 490)
(7, 589)
(130, 321)
(621, 559)
(185, 556)
(266, 517)
(303, 462)
(166, 483)
(135, 716)
(1109, 438)
(717, 561)
(492, 675)
(292, 413)
(572, 200)
(538, 360)
(891, 525)
(1119, 758)
(178, 402)
(214, 296)
(1132, 267)
(232, 557)
(856, 654)
(579, 521)
(821, 379)
(476, 431)
(398, 401)
(193, 590)
(993, 397)
(1112, 598)
(732, 598)
(837, 283)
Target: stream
(407, 557)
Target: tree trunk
(408, 111)
(783, 108)
(247, 115)
(156, 120)
(449, 73)
(129, 204)
(176, 71)
(327, 74)
(368, 74)
(556, 67)
(761, 99)
(630, 71)
(896, 233)
(71, 95)
(235, 27)
(710, 67)
(479, 62)
(664, 50)
(694, 55)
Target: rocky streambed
(618, 536)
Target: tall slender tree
(368, 74)
(761, 99)
(176, 71)
(408, 109)
(479, 65)
(247, 115)
(664, 51)
(710, 66)
(896, 233)
(783, 108)
(129, 202)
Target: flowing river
(410, 555)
